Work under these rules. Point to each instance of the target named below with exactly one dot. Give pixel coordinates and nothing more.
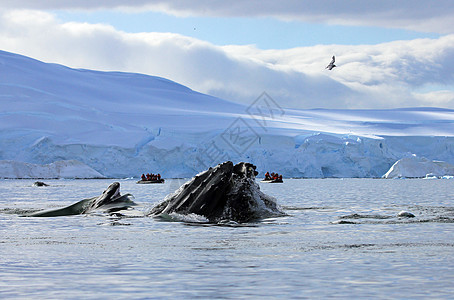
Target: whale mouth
(224, 193)
(110, 194)
(116, 194)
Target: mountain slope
(69, 105)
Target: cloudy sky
(388, 53)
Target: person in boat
(159, 176)
(143, 177)
(280, 177)
(267, 176)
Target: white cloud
(419, 15)
(441, 98)
(368, 76)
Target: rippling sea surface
(342, 239)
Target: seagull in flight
(331, 64)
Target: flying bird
(331, 64)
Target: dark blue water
(342, 239)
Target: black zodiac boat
(272, 180)
(151, 181)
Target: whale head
(226, 192)
(111, 200)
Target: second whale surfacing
(110, 201)
(226, 192)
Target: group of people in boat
(151, 177)
(272, 176)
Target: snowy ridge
(125, 124)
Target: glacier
(125, 124)
(69, 169)
(419, 167)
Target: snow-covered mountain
(125, 124)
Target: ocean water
(341, 239)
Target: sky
(389, 54)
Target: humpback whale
(223, 193)
(110, 201)
(226, 192)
